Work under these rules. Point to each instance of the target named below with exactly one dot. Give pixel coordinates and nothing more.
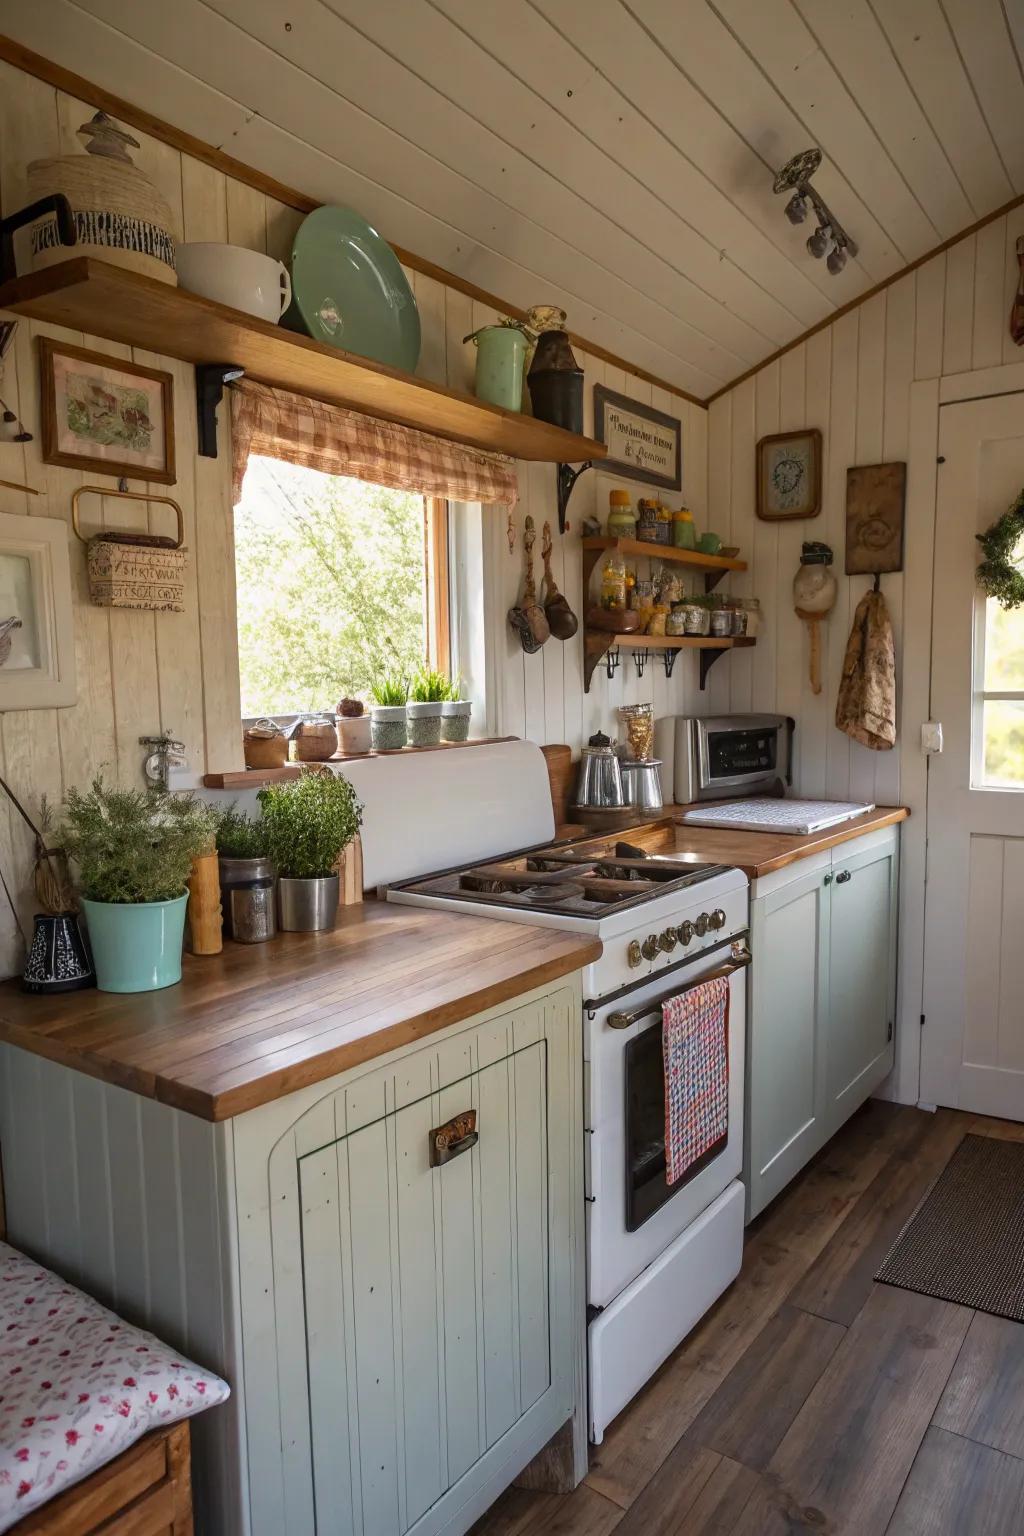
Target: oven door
(633, 1213)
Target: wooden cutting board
(562, 777)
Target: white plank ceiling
(614, 156)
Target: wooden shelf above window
(107, 301)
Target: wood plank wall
(852, 380)
(141, 673)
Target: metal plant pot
(307, 906)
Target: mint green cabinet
(822, 1004)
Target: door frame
(927, 397)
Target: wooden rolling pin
(561, 775)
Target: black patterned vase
(58, 960)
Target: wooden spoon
(561, 619)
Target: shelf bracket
(210, 381)
(669, 660)
(708, 658)
(567, 477)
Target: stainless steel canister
(247, 899)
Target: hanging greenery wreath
(999, 574)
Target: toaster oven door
(741, 754)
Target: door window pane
(1004, 648)
(1003, 759)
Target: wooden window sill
(255, 778)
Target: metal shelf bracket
(567, 477)
(707, 660)
(210, 381)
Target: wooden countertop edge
(814, 843)
(264, 1087)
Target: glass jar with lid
(721, 620)
(621, 522)
(752, 605)
(613, 582)
(684, 535)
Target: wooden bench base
(146, 1491)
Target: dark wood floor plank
(984, 1397)
(665, 1504)
(839, 1282)
(843, 1464)
(752, 1410)
(523, 1512)
(719, 1504)
(958, 1488)
(780, 1247)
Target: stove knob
(667, 941)
(649, 947)
(700, 927)
(633, 955)
(685, 932)
(718, 918)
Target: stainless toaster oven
(722, 757)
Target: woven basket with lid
(119, 214)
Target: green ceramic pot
(136, 947)
(500, 352)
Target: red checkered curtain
(280, 425)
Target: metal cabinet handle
(843, 876)
(827, 880)
(453, 1138)
(741, 959)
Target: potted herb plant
(455, 713)
(387, 717)
(132, 851)
(353, 727)
(426, 701)
(308, 823)
(247, 896)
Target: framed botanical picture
(37, 641)
(789, 475)
(875, 499)
(102, 414)
(643, 444)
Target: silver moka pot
(600, 785)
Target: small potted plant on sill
(353, 727)
(387, 717)
(426, 704)
(247, 895)
(308, 825)
(455, 713)
(133, 850)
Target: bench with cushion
(78, 1388)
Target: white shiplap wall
(851, 379)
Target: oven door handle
(623, 1020)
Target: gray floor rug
(965, 1241)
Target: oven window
(734, 752)
(646, 1189)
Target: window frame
(980, 697)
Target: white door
(972, 1048)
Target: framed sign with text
(643, 444)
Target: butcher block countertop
(258, 1021)
(756, 853)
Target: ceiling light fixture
(830, 238)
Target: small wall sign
(789, 476)
(643, 444)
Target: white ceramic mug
(246, 280)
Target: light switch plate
(931, 738)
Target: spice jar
(621, 522)
(613, 582)
(739, 617)
(752, 606)
(675, 622)
(698, 617)
(638, 722)
(721, 621)
(683, 533)
(647, 521)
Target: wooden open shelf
(108, 301)
(598, 642)
(691, 557)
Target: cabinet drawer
(427, 1300)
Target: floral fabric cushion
(77, 1385)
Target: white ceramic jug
(246, 280)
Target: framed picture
(789, 475)
(875, 500)
(643, 444)
(37, 642)
(103, 414)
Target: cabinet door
(862, 955)
(785, 1066)
(427, 1296)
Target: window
(999, 700)
(337, 580)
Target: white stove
(658, 1256)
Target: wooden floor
(810, 1398)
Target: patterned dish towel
(696, 1046)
